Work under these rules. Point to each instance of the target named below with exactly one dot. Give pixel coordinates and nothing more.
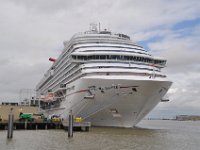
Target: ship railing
(119, 35)
(74, 41)
(69, 76)
(116, 60)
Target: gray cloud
(182, 52)
(183, 69)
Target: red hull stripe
(85, 90)
(123, 87)
(77, 92)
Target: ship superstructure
(104, 78)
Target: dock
(38, 123)
(78, 126)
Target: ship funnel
(52, 59)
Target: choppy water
(150, 135)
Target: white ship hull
(115, 101)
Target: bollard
(70, 126)
(10, 126)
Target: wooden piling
(70, 126)
(25, 125)
(36, 127)
(10, 126)
(46, 126)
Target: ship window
(118, 57)
(85, 57)
(82, 57)
(96, 56)
(113, 57)
(126, 57)
(102, 57)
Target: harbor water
(149, 135)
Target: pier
(37, 123)
(81, 126)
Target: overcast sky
(31, 31)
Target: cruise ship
(104, 78)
